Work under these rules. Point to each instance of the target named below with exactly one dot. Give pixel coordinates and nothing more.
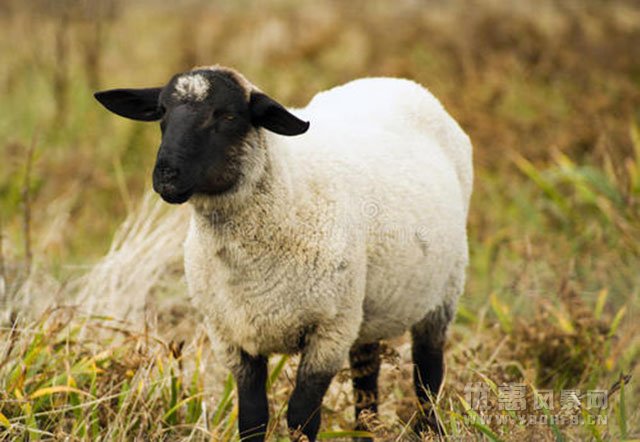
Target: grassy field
(97, 338)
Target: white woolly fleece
(351, 232)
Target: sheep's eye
(223, 115)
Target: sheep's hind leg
(364, 360)
(428, 337)
(253, 407)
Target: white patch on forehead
(191, 86)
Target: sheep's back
(399, 106)
(397, 170)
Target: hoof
(429, 424)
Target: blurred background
(535, 79)
(549, 92)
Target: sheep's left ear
(268, 113)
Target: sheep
(319, 231)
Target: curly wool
(352, 232)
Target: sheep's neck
(262, 198)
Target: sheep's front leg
(322, 357)
(303, 415)
(253, 408)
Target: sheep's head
(206, 116)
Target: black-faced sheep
(343, 232)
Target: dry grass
(99, 341)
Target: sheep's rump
(394, 170)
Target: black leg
(303, 415)
(428, 337)
(325, 349)
(253, 407)
(365, 366)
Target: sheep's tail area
(430, 115)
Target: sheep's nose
(167, 173)
(166, 178)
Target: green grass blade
(273, 376)
(344, 434)
(622, 413)
(225, 401)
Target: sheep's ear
(268, 113)
(137, 104)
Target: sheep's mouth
(177, 198)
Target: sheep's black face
(205, 117)
(204, 123)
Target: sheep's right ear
(268, 113)
(136, 104)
